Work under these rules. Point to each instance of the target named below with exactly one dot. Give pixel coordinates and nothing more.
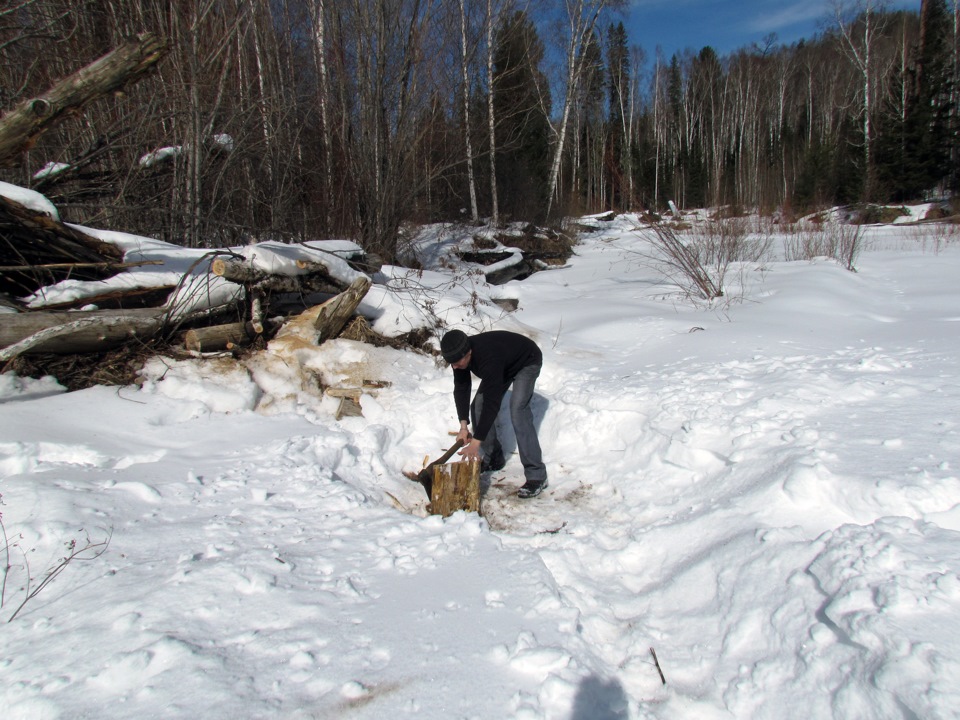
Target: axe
(425, 476)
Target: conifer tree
(927, 131)
(522, 101)
(618, 87)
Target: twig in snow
(74, 554)
(657, 663)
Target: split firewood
(326, 320)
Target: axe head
(425, 476)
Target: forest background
(306, 119)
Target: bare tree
(491, 119)
(318, 16)
(582, 18)
(860, 22)
(465, 68)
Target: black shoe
(493, 464)
(532, 488)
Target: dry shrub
(120, 366)
(840, 241)
(359, 329)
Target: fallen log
(21, 127)
(137, 298)
(38, 248)
(79, 266)
(215, 338)
(39, 236)
(317, 280)
(15, 327)
(236, 271)
(81, 332)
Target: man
(499, 358)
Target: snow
(30, 199)
(764, 491)
(165, 264)
(160, 155)
(50, 169)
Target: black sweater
(497, 358)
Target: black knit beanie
(454, 345)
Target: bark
(474, 215)
(21, 127)
(583, 16)
(491, 121)
(317, 279)
(63, 333)
(219, 337)
(455, 487)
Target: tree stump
(455, 487)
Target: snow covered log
(219, 337)
(21, 127)
(317, 280)
(40, 250)
(75, 332)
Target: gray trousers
(528, 445)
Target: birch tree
(319, 22)
(465, 70)
(859, 23)
(491, 118)
(582, 17)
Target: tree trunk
(21, 127)
(581, 31)
(491, 120)
(316, 279)
(218, 337)
(474, 215)
(63, 333)
(323, 91)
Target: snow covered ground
(764, 492)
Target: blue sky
(725, 25)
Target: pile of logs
(37, 250)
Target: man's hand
(471, 451)
(464, 434)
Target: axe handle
(448, 454)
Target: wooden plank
(345, 392)
(455, 487)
